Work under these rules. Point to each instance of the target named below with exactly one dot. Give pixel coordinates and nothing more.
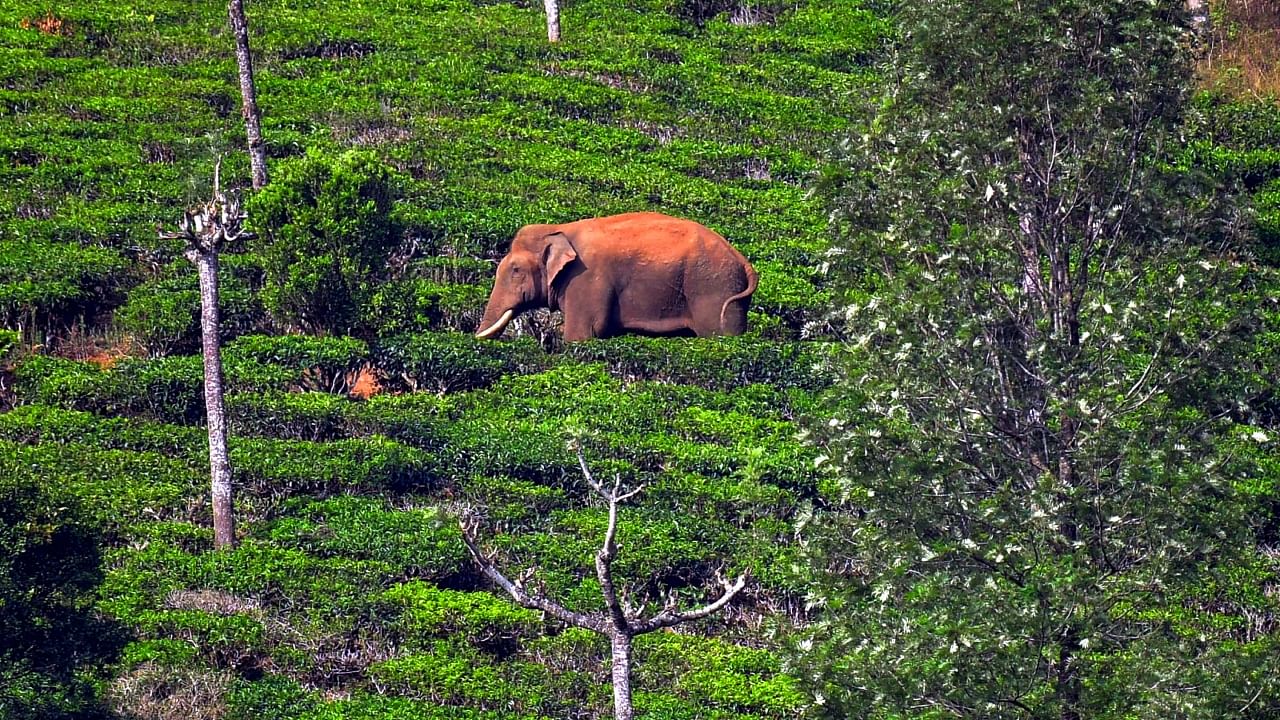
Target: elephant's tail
(753, 279)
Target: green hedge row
(264, 468)
(445, 362)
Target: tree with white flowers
(1048, 477)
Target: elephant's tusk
(497, 327)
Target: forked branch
(620, 623)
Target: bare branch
(517, 592)
(604, 561)
(670, 616)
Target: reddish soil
(105, 358)
(366, 384)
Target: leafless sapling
(620, 621)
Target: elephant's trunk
(495, 328)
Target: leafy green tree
(326, 231)
(1044, 484)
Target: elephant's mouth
(496, 328)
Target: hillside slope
(350, 595)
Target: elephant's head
(526, 277)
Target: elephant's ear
(558, 255)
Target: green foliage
(444, 362)
(327, 230)
(412, 306)
(168, 389)
(413, 543)
(50, 567)
(315, 416)
(327, 364)
(723, 363)
(116, 488)
(428, 611)
(453, 674)
(10, 346)
(42, 282)
(278, 468)
(717, 675)
(163, 314)
(271, 698)
(1267, 202)
(1038, 498)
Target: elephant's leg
(704, 315)
(587, 319)
(580, 326)
(735, 317)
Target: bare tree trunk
(553, 19)
(205, 230)
(1199, 10)
(249, 94)
(622, 676)
(224, 525)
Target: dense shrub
(716, 674)
(50, 566)
(1267, 203)
(325, 364)
(724, 363)
(168, 389)
(446, 362)
(415, 542)
(36, 424)
(417, 305)
(271, 698)
(279, 468)
(315, 416)
(486, 620)
(327, 230)
(163, 315)
(52, 283)
(119, 489)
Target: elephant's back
(651, 237)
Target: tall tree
(248, 94)
(206, 230)
(1038, 443)
(620, 622)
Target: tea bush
(51, 644)
(486, 620)
(325, 364)
(44, 283)
(414, 542)
(163, 313)
(446, 362)
(415, 305)
(722, 363)
(327, 230)
(314, 416)
(717, 674)
(167, 389)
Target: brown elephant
(642, 273)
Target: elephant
(643, 272)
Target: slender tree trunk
(224, 525)
(249, 94)
(1199, 10)
(621, 676)
(553, 19)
